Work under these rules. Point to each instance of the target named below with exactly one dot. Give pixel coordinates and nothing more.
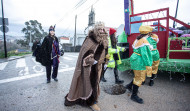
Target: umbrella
(185, 35)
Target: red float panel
(161, 44)
(177, 45)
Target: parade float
(174, 50)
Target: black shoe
(137, 99)
(134, 95)
(48, 81)
(143, 83)
(129, 87)
(103, 79)
(119, 81)
(151, 83)
(55, 79)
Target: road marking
(26, 70)
(3, 65)
(33, 59)
(68, 69)
(31, 76)
(20, 63)
(72, 56)
(20, 72)
(35, 68)
(67, 58)
(63, 66)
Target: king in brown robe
(84, 89)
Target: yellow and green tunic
(153, 40)
(111, 51)
(141, 60)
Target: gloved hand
(95, 62)
(105, 66)
(107, 56)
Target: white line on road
(21, 72)
(71, 56)
(67, 58)
(31, 76)
(20, 63)
(37, 67)
(33, 59)
(3, 65)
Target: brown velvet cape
(84, 89)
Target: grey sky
(62, 12)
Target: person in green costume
(153, 40)
(114, 56)
(141, 62)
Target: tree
(23, 43)
(34, 29)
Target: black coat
(46, 50)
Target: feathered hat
(51, 28)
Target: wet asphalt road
(23, 88)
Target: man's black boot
(103, 79)
(48, 81)
(129, 86)
(117, 80)
(55, 79)
(134, 95)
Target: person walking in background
(114, 60)
(141, 62)
(35, 47)
(50, 54)
(84, 89)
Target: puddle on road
(114, 89)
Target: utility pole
(75, 33)
(5, 48)
(30, 43)
(176, 13)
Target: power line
(74, 8)
(89, 7)
(71, 11)
(81, 13)
(67, 28)
(80, 4)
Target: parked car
(61, 49)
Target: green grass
(13, 53)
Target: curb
(11, 59)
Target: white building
(64, 40)
(79, 39)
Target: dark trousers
(115, 69)
(55, 70)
